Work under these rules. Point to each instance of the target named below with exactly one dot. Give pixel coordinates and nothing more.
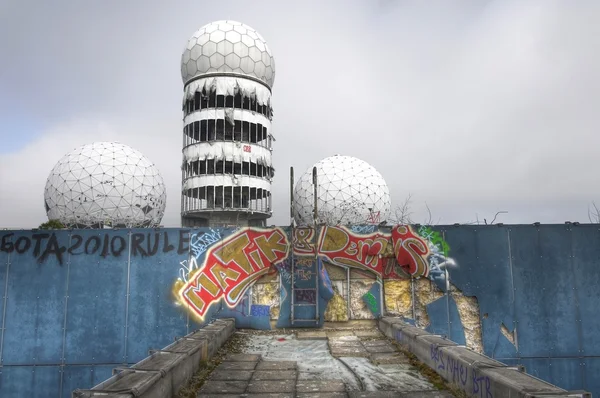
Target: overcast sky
(472, 107)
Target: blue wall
(76, 304)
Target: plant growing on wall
(51, 224)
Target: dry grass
(234, 345)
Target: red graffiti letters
(231, 266)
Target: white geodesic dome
(227, 47)
(105, 184)
(350, 192)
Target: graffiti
(231, 266)
(303, 239)
(201, 241)
(481, 385)
(45, 245)
(304, 275)
(341, 247)
(363, 229)
(371, 302)
(305, 296)
(435, 238)
(260, 310)
(438, 249)
(458, 372)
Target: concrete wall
(76, 304)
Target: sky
(471, 107)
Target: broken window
(237, 197)
(229, 101)
(237, 168)
(211, 130)
(219, 167)
(196, 100)
(202, 167)
(245, 197)
(203, 131)
(228, 131)
(220, 101)
(219, 196)
(220, 130)
(228, 197)
(246, 103)
(228, 167)
(237, 100)
(196, 131)
(253, 133)
(245, 132)
(212, 100)
(237, 131)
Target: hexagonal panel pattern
(105, 184)
(350, 192)
(228, 40)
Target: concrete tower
(228, 72)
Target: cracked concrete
(319, 363)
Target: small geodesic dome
(350, 192)
(105, 184)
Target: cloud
(473, 107)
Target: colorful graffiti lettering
(231, 267)
(303, 239)
(341, 247)
(232, 264)
(373, 251)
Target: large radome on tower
(228, 72)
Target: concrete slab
(374, 343)
(270, 386)
(273, 395)
(377, 349)
(376, 378)
(339, 333)
(368, 333)
(344, 342)
(390, 394)
(229, 375)
(312, 335)
(349, 351)
(389, 358)
(277, 365)
(373, 394)
(237, 366)
(274, 375)
(320, 386)
(242, 358)
(223, 387)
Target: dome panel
(217, 36)
(233, 61)
(233, 36)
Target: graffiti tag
(231, 267)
